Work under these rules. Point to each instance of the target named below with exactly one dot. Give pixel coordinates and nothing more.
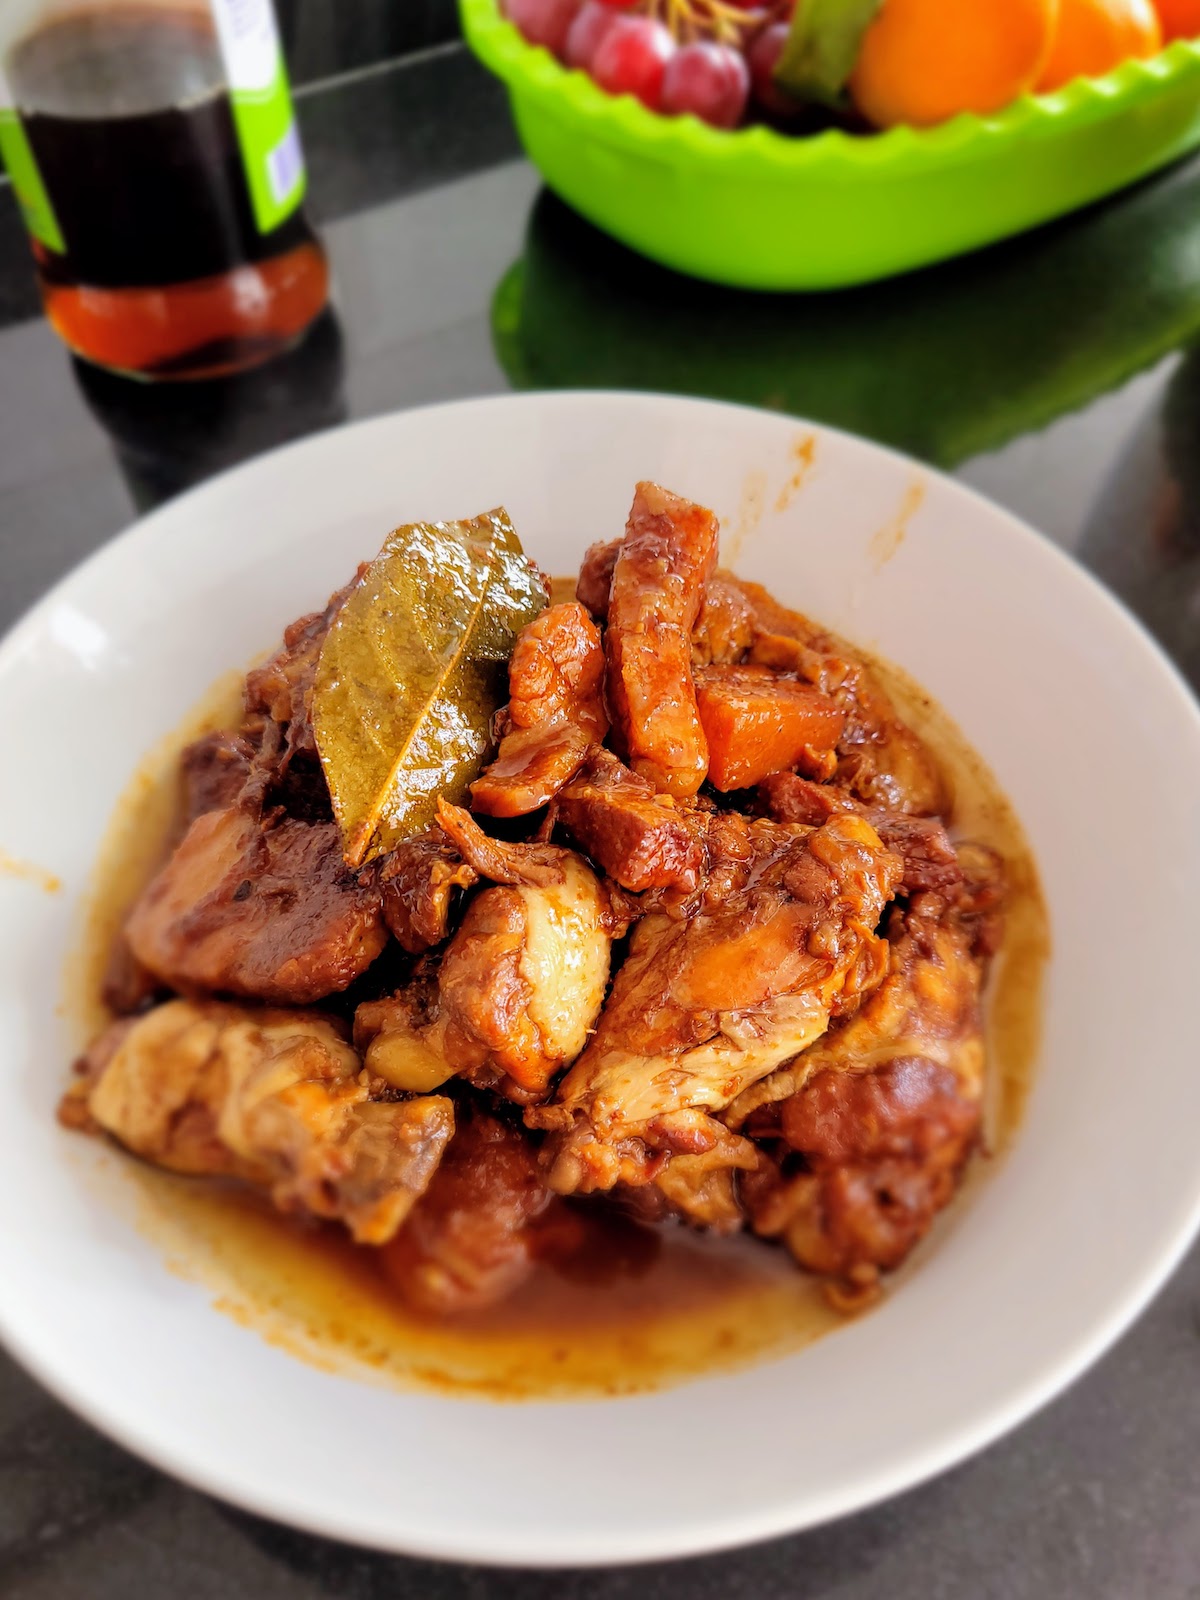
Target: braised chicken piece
(216, 771)
(886, 1108)
(268, 912)
(703, 1189)
(884, 1152)
(927, 1005)
(667, 556)
(275, 1098)
(639, 838)
(418, 881)
(473, 1236)
(255, 900)
(922, 843)
(520, 984)
(706, 1006)
(706, 948)
(555, 713)
(282, 688)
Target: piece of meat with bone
(555, 713)
(884, 1153)
(275, 1098)
(637, 837)
(703, 1007)
(418, 880)
(282, 688)
(922, 843)
(472, 1238)
(519, 985)
(928, 1004)
(666, 558)
(264, 910)
(886, 1109)
(216, 770)
(701, 1187)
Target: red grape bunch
(706, 57)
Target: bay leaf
(822, 48)
(412, 672)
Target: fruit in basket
(544, 22)
(710, 80)
(1180, 19)
(922, 61)
(632, 59)
(592, 21)
(824, 39)
(809, 63)
(1093, 37)
(762, 57)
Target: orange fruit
(922, 61)
(1094, 36)
(1180, 18)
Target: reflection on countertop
(944, 364)
(169, 436)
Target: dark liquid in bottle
(165, 271)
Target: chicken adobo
(650, 901)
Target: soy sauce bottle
(154, 152)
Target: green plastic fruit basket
(758, 209)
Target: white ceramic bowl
(1096, 741)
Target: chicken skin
(265, 912)
(275, 1098)
(705, 1006)
(519, 985)
(886, 1108)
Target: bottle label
(262, 116)
(26, 179)
(262, 108)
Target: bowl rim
(990, 1422)
(623, 119)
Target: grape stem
(690, 20)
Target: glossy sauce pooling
(638, 1308)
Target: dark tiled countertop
(1056, 373)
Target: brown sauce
(638, 1309)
